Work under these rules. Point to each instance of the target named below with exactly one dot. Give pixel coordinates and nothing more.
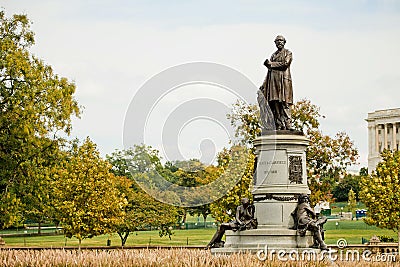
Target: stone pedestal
(280, 176)
(279, 179)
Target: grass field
(179, 238)
(157, 257)
(352, 231)
(336, 207)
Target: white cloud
(347, 71)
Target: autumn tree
(327, 157)
(330, 156)
(380, 192)
(86, 201)
(245, 119)
(223, 210)
(321, 189)
(36, 106)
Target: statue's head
(304, 198)
(280, 41)
(245, 201)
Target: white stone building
(383, 133)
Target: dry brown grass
(147, 257)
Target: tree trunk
(183, 220)
(39, 227)
(80, 242)
(124, 237)
(57, 225)
(205, 220)
(184, 217)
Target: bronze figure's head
(304, 198)
(280, 41)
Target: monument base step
(273, 238)
(265, 253)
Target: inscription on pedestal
(295, 169)
(272, 168)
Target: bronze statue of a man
(277, 87)
(306, 219)
(244, 220)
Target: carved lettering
(272, 162)
(271, 172)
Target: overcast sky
(345, 53)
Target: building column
(385, 136)
(377, 139)
(394, 141)
(371, 139)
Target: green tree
(193, 173)
(141, 159)
(349, 182)
(179, 183)
(188, 173)
(352, 203)
(142, 210)
(380, 192)
(142, 164)
(36, 106)
(86, 201)
(364, 171)
(35, 196)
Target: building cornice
(383, 114)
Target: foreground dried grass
(146, 257)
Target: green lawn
(180, 238)
(352, 231)
(336, 207)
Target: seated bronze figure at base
(306, 219)
(244, 220)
